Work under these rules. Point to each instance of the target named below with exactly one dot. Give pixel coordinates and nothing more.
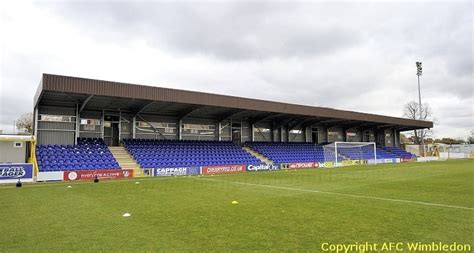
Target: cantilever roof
(98, 94)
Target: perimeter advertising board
(326, 164)
(101, 174)
(350, 162)
(262, 167)
(303, 165)
(223, 169)
(180, 171)
(11, 172)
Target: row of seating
(88, 154)
(287, 152)
(173, 153)
(365, 153)
(309, 152)
(400, 152)
(149, 153)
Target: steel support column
(120, 128)
(281, 134)
(76, 134)
(180, 134)
(134, 132)
(252, 132)
(36, 123)
(102, 124)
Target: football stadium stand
(88, 154)
(79, 121)
(92, 154)
(170, 153)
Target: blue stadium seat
(288, 152)
(400, 153)
(89, 153)
(173, 153)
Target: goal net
(348, 153)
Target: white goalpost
(363, 152)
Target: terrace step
(122, 156)
(259, 156)
(124, 159)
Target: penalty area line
(344, 194)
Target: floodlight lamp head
(419, 69)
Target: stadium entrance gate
(314, 135)
(111, 130)
(237, 132)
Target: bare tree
(470, 138)
(411, 110)
(25, 123)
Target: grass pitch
(276, 211)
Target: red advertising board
(101, 174)
(223, 169)
(303, 165)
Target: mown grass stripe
(343, 194)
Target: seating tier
(288, 152)
(88, 154)
(173, 153)
(284, 152)
(400, 153)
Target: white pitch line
(343, 194)
(81, 182)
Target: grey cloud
(345, 55)
(236, 31)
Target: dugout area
(67, 108)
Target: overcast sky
(345, 55)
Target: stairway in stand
(261, 157)
(125, 160)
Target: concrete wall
(246, 131)
(397, 138)
(322, 134)
(126, 128)
(356, 138)
(283, 134)
(389, 140)
(264, 134)
(144, 131)
(87, 131)
(225, 131)
(276, 134)
(308, 135)
(49, 132)
(202, 135)
(11, 154)
(297, 136)
(372, 135)
(335, 134)
(65, 132)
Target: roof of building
(16, 137)
(90, 94)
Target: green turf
(192, 214)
